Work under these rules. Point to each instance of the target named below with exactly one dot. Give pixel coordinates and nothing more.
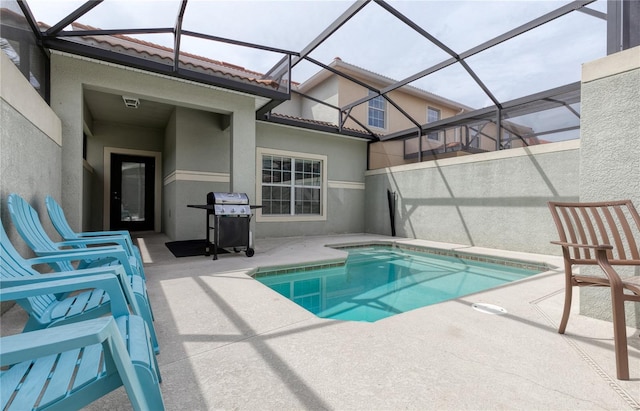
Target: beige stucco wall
(610, 157)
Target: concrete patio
(228, 342)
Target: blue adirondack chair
(70, 366)
(47, 309)
(59, 221)
(28, 224)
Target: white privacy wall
(496, 200)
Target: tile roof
(162, 54)
(320, 123)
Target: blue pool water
(380, 281)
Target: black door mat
(190, 248)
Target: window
(292, 185)
(21, 46)
(377, 108)
(506, 139)
(433, 114)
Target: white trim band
(348, 185)
(187, 175)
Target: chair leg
(620, 334)
(568, 294)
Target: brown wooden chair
(606, 234)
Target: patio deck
(228, 342)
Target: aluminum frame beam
(80, 11)
(326, 33)
(554, 14)
(177, 35)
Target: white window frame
(435, 133)
(262, 151)
(383, 110)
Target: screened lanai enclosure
(494, 74)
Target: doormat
(189, 248)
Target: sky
(543, 58)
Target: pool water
(380, 281)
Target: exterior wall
(610, 158)
(292, 107)
(168, 169)
(70, 74)
(495, 200)
(30, 151)
(346, 160)
(202, 148)
(327, 91)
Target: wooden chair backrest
(614, 223)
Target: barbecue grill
(231, 217)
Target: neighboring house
(319, 97)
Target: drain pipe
(391, 198)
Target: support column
(610, 151)
(243, 152)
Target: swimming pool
(380, 281)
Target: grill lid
(227, 198)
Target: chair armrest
(17, 289)
(590, 246)
(123, 233)
(76, 254)
(33, 344)
(62, 275)
(118, 240)
(115, 270)
(77, 250)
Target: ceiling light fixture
(131, 102)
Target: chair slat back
(28, 224)
(14, 266)
(58, 219)
(614, 223)
(25, 219)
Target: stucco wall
(169, 187)
(30, 152)
(345, 194)
(70, 74)
(327, 92)
(202, 146)
(610, 158)
(495, 200)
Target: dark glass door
(132, 192)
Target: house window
(292, 185)
(377, 108)
(433, 114)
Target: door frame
(157, 187)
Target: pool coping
(469, 253)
